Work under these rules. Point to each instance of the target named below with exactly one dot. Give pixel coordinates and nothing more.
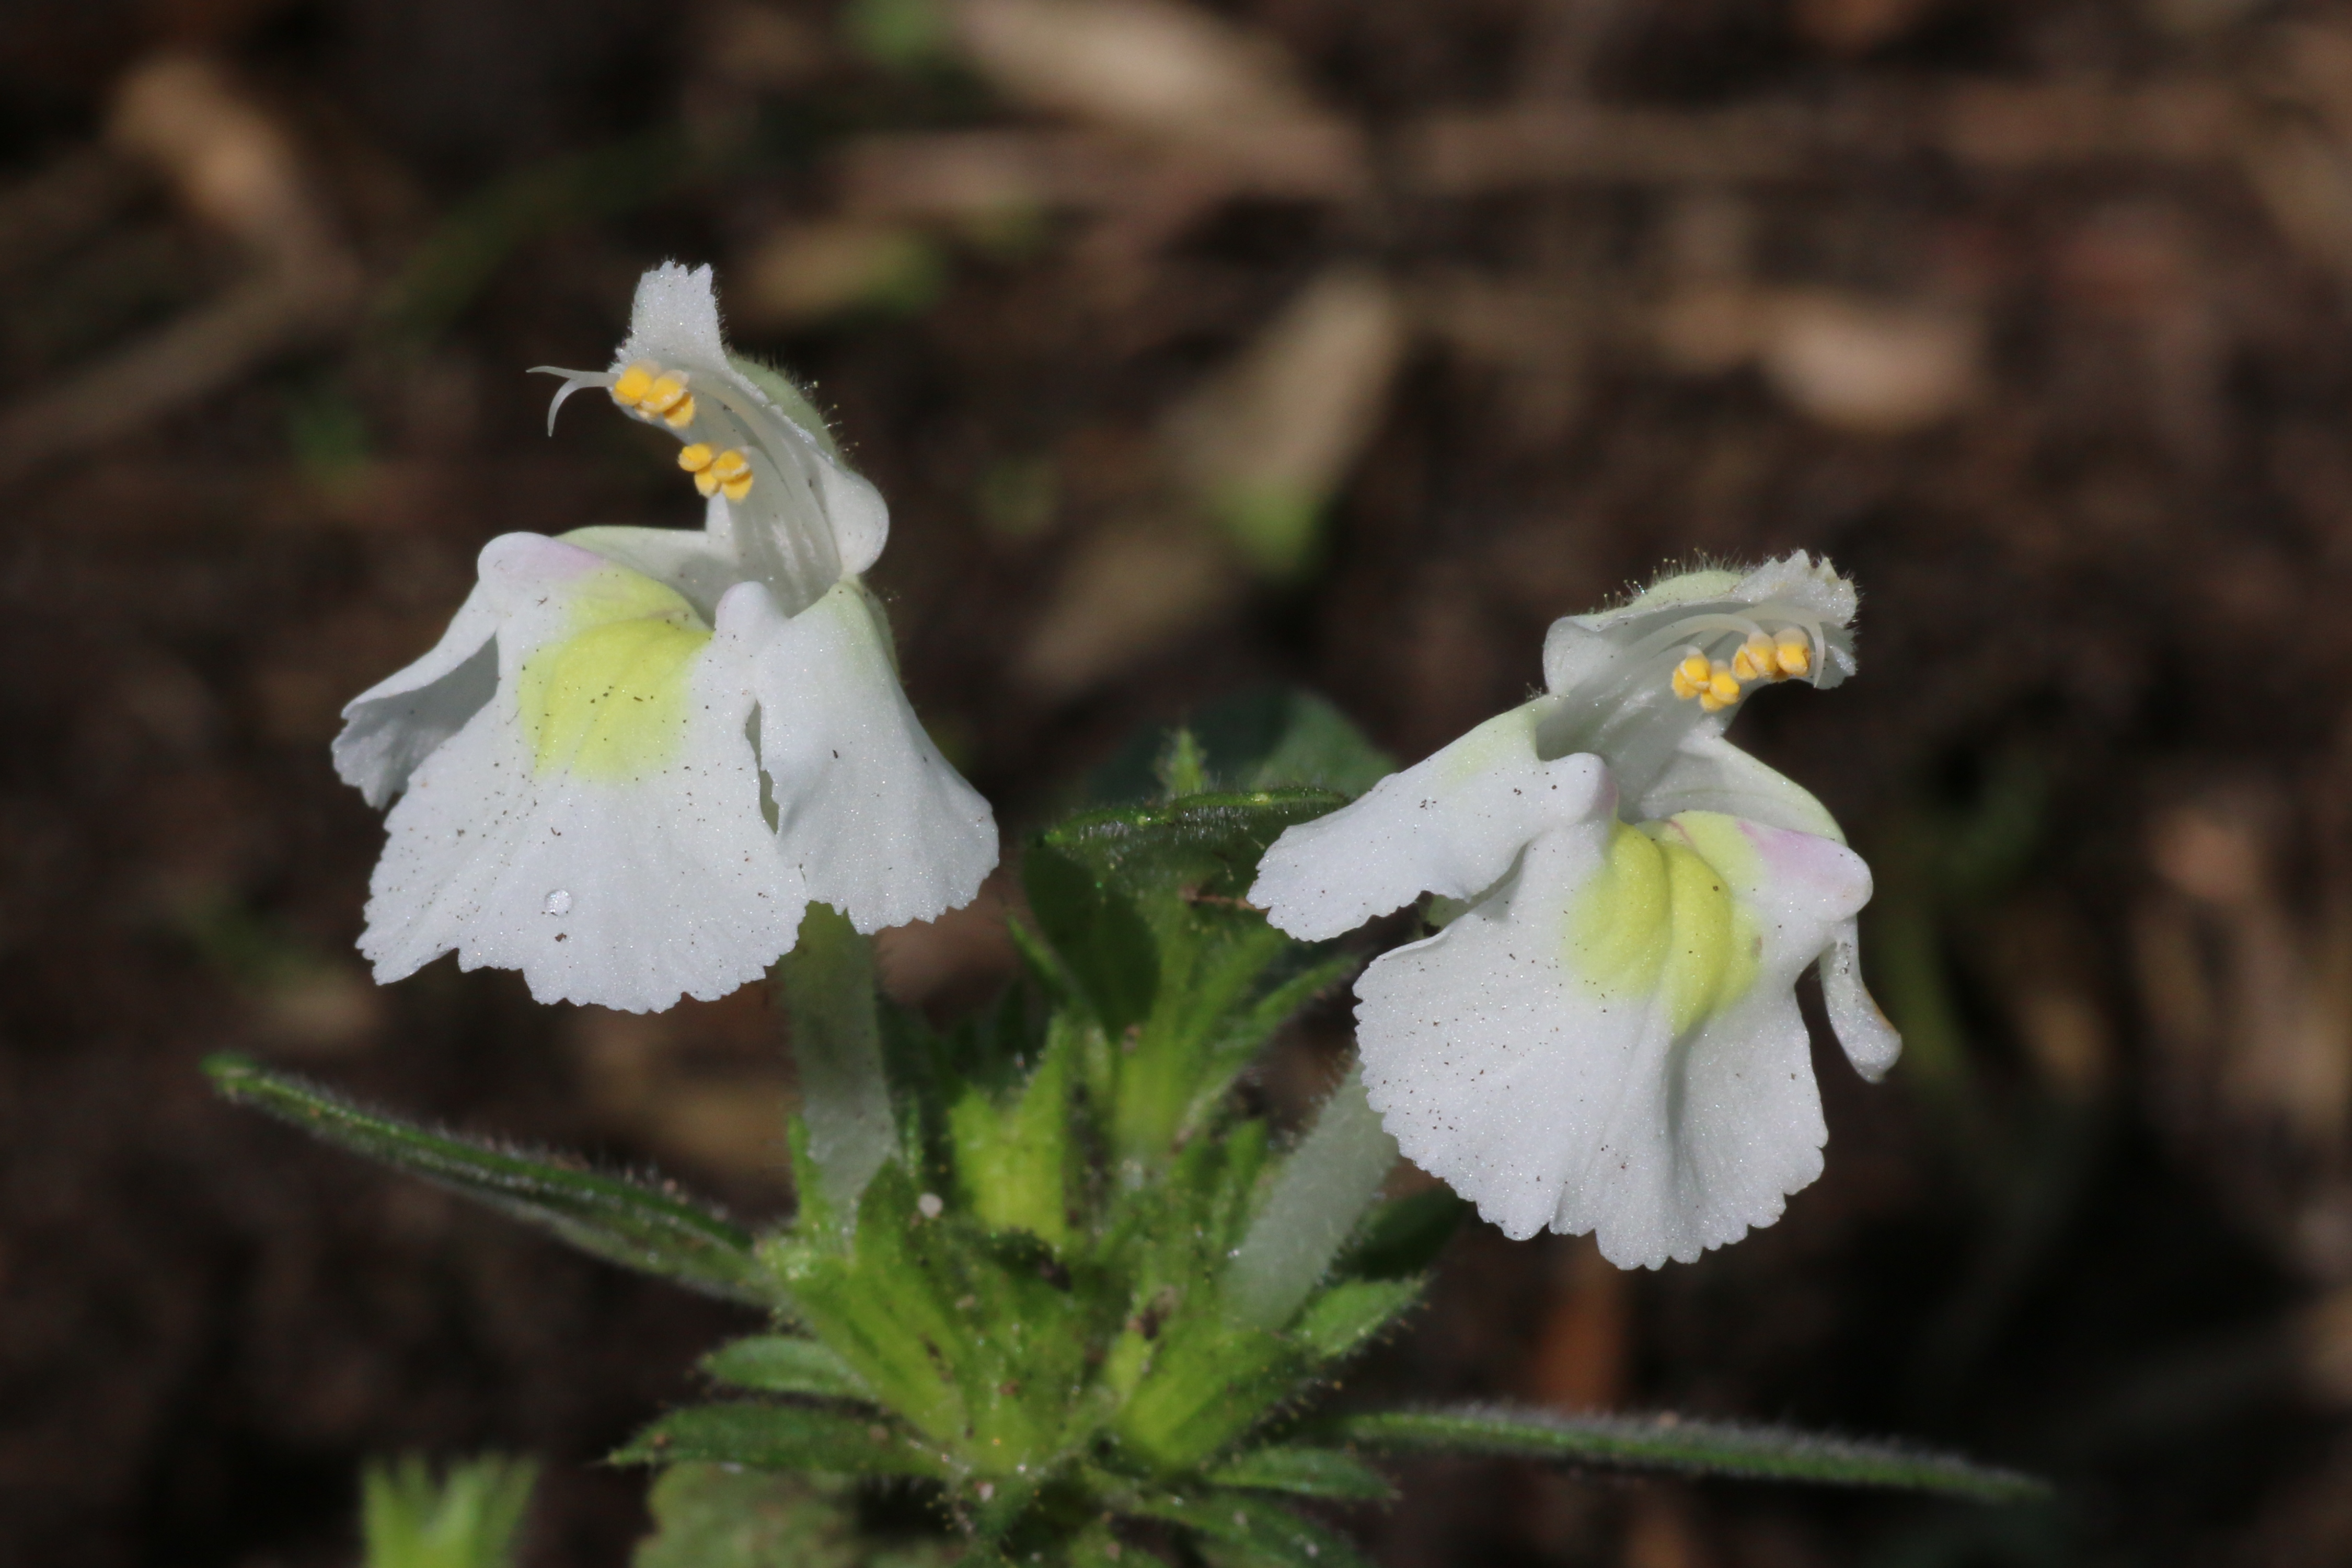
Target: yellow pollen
(733, 472)
(728, 472)
(633, 384)
(1691, 675)
(1793, 652)
(1722, 685)
(649, 391)
(696, 457)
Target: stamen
(1691, 673)
(631, 385)
(1761, 654)
(649, 391)
(733, 473)
(728, 472)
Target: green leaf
(1013, 1156)
(621, 1221)
(1207, 844)
(780, 1438)
(1768, 1453)
(1339, 1322)
(469, 1518)
(1403, 1237)
(1208, 1382)
(1254, 1529)
(786, 1363)
(714, 1516)
(1100, 937)
(974, 1338)
(1308, 1472)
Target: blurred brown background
(1336, 341)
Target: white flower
(638, 753)
(1608, 1040)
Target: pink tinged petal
(1549, 1099)
(1707, 773)
(1450, 824)
(883, 828)
(1802, 877)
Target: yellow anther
(725, 473)
(733, 474)
(1691, 674)
(1793, 652)
(1709, 703)
(662, 396)
(681, 413)
(630, 386)
(696, 457)
(1722, 685)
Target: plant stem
(827, 980)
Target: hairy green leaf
(1339, 1322)
(1308, 1472)
(622, 1221)
(780, 1438)
(1669, 1443)
(1208, 844)
(786, 1363)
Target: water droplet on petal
(559, 902)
